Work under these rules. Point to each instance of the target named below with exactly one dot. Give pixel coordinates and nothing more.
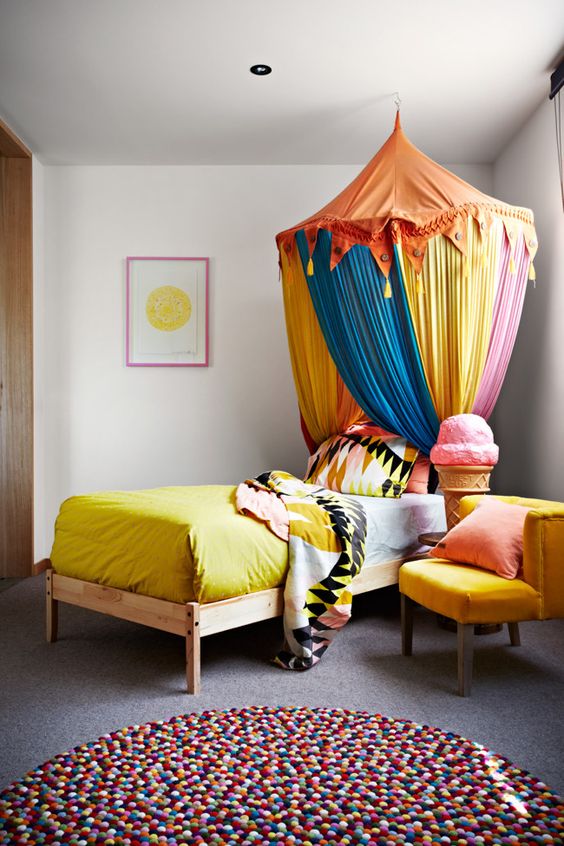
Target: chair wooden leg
(406, 624)
(465, 634)
(52, 608)
(193, 647)
(514, 636)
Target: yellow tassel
(484, 258)
(387, 290)
(532, 272)
(512, 265)
(465, 268)
(310, 267)
(419, 286)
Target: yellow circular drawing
(168, 308)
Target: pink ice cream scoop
(465, 439)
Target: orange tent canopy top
(404, 196)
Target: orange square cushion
(491, 537)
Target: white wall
(528, 419)
(101, 425)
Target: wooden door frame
(16, 356)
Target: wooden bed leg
(52, 607)
(406, 624)
(193, 647)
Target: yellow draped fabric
(452, 315)
(325, 403)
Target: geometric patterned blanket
(326, 552)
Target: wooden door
(16, 361)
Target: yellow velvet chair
(470, 595)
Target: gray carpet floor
(104, 674)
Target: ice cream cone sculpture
(457, 481)
(464, 456)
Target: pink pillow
(419, 479)
(490, 537)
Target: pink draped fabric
(508, 306)
(265, 506)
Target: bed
(183, 560)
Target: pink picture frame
(167, 311)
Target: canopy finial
(397, 101)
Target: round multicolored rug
(280, 775)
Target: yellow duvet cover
(177, 543)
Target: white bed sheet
(393, 525)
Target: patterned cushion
(363, 464)
(418, 481)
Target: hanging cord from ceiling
(558, 121)
(556, 83)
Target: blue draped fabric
(371, 339)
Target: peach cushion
(490, 537)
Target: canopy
(403, 297)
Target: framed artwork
(167, 312)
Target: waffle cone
(458, 480)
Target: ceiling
(168, 82)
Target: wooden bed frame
(191, 620)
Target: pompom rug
(280, 775)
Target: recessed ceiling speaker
(261, 70)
